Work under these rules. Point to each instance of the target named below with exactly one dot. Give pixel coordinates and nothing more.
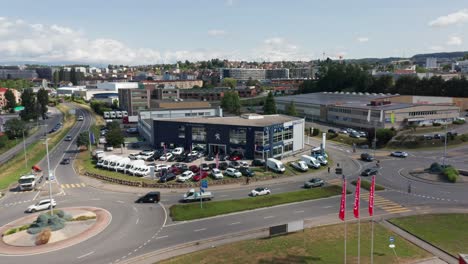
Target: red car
(176, 170)
(200, 175)
(194, 168)
(235, 157)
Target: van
(310, 161)
(118, 114)
(136, 164)
(122, 163)
(106, 115)
(100, 161)
(151, 197)
(109, 160)
(275, 165)
(124, 113)
(113, 114)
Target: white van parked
(111, 160)
(275, 165)
(106, 115)
(310, 161)
(101, 161)
(113, 114)
(124, 113)
(122, 163)
(135, 166)
(118, 114)
(322, 160)
(142, 171)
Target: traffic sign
(391, 239)
(204, 184)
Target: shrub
(24, 227)
(83, 218)
(464, 137)
(43, 237)
(458, 122)
(331, 135)
(436, 124)
(11, 231)
(451, 173)
(436, 168)
(315, 132)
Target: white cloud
(278, 49)
(362, 39)
(216, 32)
(454, 41)
(450, 19)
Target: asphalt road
(141, 228)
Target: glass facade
(181, 131)
(288, 133)
(277, 135)
(198, 134)
(238, 136)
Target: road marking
(85, 255)
(138, 220)
(235, 223)
(161, 237)
(198, 230)
(120, 201)
(267, 217)
(96, 199)
(328, 206)
(35, 196)
(297, 212)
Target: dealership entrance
(214, 149)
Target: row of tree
(348, 77)
(35, 105)
(18, 84)
(72, 76)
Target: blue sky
(144, 31)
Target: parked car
(235, 157)
(260, 191)
(247, 172)
(194, 168)
(314, 182)
(437, 136)
(186, 175)
(133, 156)
(233, 172)
(362, 134)
(168, 176)
(354, 134)
(223, 166)
(193, 153)
(151, 197)
(166, 157)
(212, 165)
(204, 167)
(427, 137)
(258, 162)
(234, 164)
(41, 205)
(209, 158)
(367, 157)
(65, 161)
(200, 175)
(369, 172)
(399, 154)
(343, 131)
(68, 138)
(300, 166)
(160, 167)
(178, 151)
(217, 174)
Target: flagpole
(344, 218)
(371, 211)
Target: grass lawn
(366, 185)
(447, 231)
(192, 211)
(322, 245)
(14, 168)
(10, 143)
(345, 139)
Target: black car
(369, 172)
(333, 131)
(68, 138)
(234, 164)
(223, 166)
(151, 197)
(65, 161)
(189, 159)
(247, 172)
(172, 158)
(258, 162)
(167, 176)
(209, 158)
(180, 158)
(367, 157)
(212, 165)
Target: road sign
(339, 170)
(391, 239)
(204, 184)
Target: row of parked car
(349, 131)
(180, 155)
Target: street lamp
(49, 173)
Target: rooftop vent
(252, 116)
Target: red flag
(217, 160)
(356, 198)
(343, 201)
(371, 197)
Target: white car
(133, 156)
(146, 156)
(41, 205)
(80, 118)
(186, 175)
(260, 191)
(233, 172)
(217, 174)
(399, 154)
(244, 164)
(166, 156)
(143, 171)
(159, 167)
(193, 153)
(178, 151)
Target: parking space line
(198, 230)
(268, 217)
(235, 223)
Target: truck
(106, 115)
(192, 196)
(29, 181)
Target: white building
(431, 63)
(115, 86)
(70, 90)
(462, 65)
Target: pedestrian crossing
(72, 185)
(23, 192)
(385, 204)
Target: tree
(291, 109)
(28, 100)
(82, 139)
(15, 127)
(269, 108)
(3, 141)
(229, 82)
(43, 101)
(384, 135)
(115, 137)
(11, 100)
(231, 102)
(251, 82)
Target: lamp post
(49, 173)
(24, 148)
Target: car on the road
(68, 138)
(260, 191)
(166, 157)
(168, 176)
(41, 205)
(193, 195)
(200, 175)
(80, 118)
(247, 172)
(300, 166)
(258, 162)
(399, 154)
(438, 136)
(217, 174)
(185, 176)
(233, 172)
(314, 182)
(151, 197)
(65, 161)
(369, 172)
(367, 157)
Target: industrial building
(386, 110)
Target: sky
(152, 31)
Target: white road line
(297, 212)
(120, 201)
(198, 230)
(85, 255)
(35, 196)
(328, 206)
(161, 237)
(267, 217)
(138, 220)
(235, 223)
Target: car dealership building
(252, 135)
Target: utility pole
(445, 141)
(24, 148)
(49, 175)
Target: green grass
(318, 245)
(15, 167)
(345, 139)
(192, 211)
(366, 185)
(446, 231)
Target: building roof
(332, 98)
(251, 120)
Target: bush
(451, 173)
(83, 218)
(436, 124)
(43, 237)
(458, 122)
(436, 168)
(464, 137)
(331, 135)
(315, 132)
(366, 185)
(11, 231)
